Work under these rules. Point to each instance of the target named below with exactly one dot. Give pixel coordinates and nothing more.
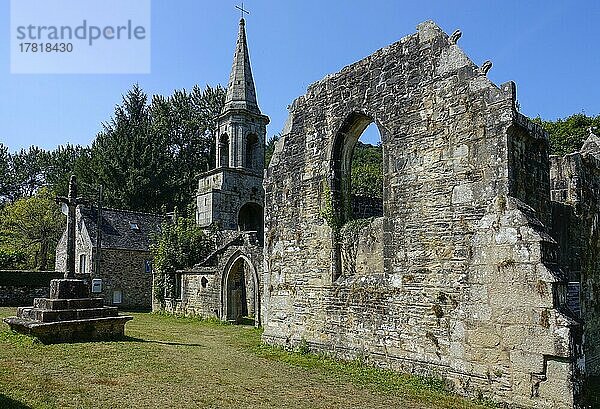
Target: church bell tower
(231, 195)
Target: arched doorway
(240, 292)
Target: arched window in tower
(250, 218)
(252, 151)
(224, 150)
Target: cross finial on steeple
(242, 10)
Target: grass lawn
(172, 362)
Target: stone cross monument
(69, 314)
(72, 201)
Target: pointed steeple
(241, 93)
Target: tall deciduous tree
(33, 225)
(27, 172)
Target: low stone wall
(364, 207)
(19, 288)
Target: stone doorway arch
(240, 301)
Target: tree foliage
(567, 135)
(270, 148)
(5, 181)
(179, 245)
(23, 173)
(30, 229)
(149, 155)
(11, 259)
(367, 170)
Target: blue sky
(549, 48)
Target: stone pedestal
(69, 315)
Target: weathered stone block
(68, 289)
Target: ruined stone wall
(456, 252)
(576, 196)
(364, 207)
(529, 171)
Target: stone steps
(69, 315)
(67, 304)
(44, 315)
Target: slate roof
(118, 227)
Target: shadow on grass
(150, 341)
(9, 403)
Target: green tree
(148, 156)
(27, 172)
(367, 170)
(32, 225)
(270, 148)
(4, 174)
(568, 134)
(128, 159)
(64, 161)
(186, 122)
(180, 244)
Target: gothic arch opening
(357, 170)
(240, 295)
(250, 218)
(356, 191)
(252, 151)
(224, 150)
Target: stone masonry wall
(221, 194)
(125, 270)
(19, 288)
(203, 287)
(576, 195)
(457, 250)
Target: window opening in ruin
(357, 171)
(367, 175)
(356, 178)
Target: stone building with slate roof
(125, 262)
